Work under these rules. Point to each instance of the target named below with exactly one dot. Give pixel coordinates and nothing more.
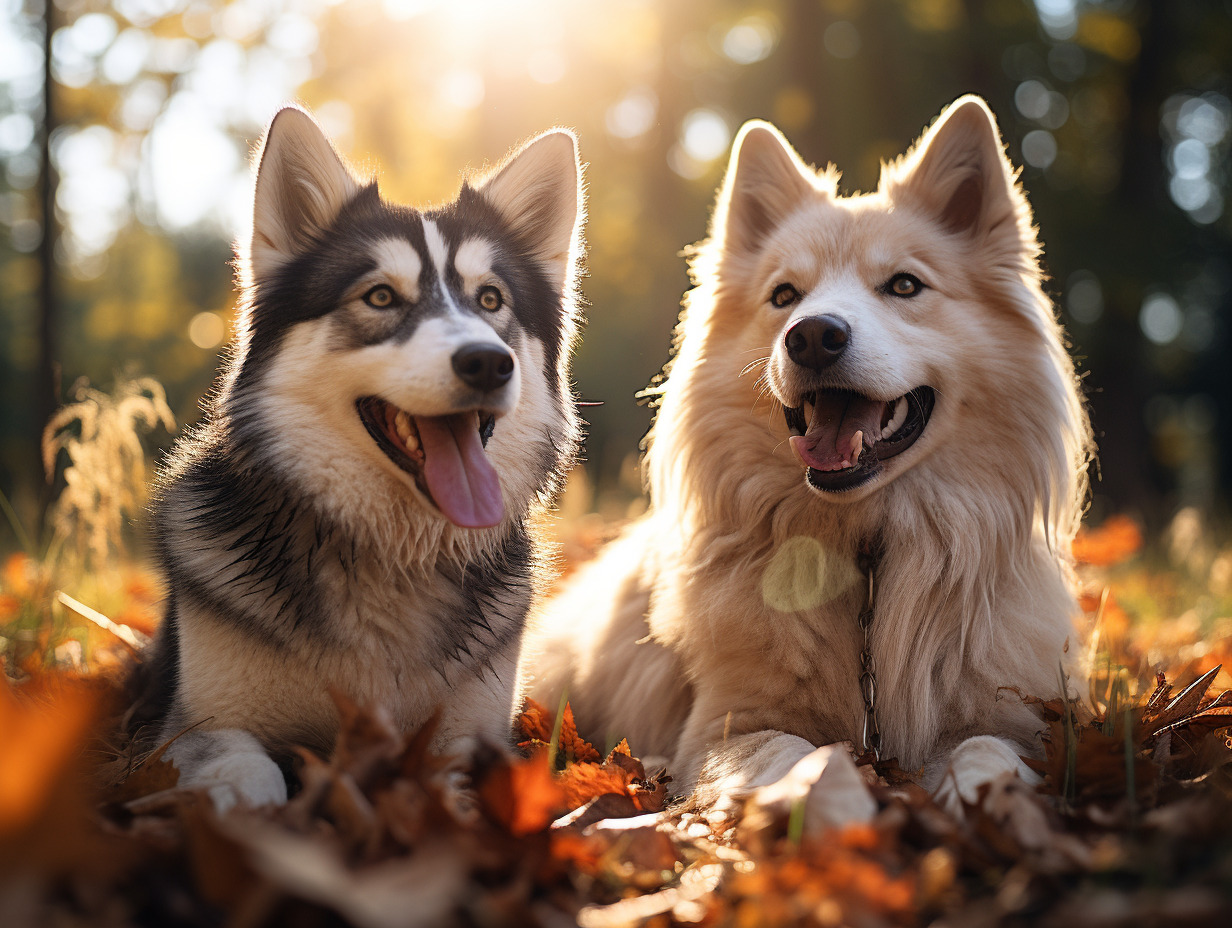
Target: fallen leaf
(523, 796)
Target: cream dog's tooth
(402, 424)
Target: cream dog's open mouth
(843, 438)
(444, 455)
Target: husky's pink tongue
(830, 441)
(459, 475)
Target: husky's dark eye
(784, 295)
(380, 297)
(490, 298)
(905, 285)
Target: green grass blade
(1069, 786)
(554, 743)
(795, 822)
(1131, 789)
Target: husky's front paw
(974, 763)
(251, 779)
(232, 765)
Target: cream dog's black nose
(816, 342)
(483, 365)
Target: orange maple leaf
(537, 725)
(584, 782)
(576, 748)
(1118, 539)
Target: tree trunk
(46, 388)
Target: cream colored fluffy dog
(866, 382)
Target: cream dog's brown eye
(380, 297)
(905, 285)
(784, 295)
(490, 298)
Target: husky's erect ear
(959, 172)
(302, 184)
(765, 182)
(538, 191)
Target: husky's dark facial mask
(424, 329)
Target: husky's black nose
(483, 365)
(816, 342)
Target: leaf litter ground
(1132, 825)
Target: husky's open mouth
(842, 437)
(444, 455)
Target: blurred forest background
(126, 129)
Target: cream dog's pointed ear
(302, 184)
(959, 172)
(538, 191)
(765, 182)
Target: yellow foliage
(793, 108)
(1108, 34)
(934, 15)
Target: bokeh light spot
(842, 39)
(16, 132)
(704, 134)
(1039, 148)
(1205, 118)
(1084, 297)
(750, 40)
(1058, 17)
(126, 56)
(207, 330)
(93, 32)
(1160, 318)
(633, 114)
(1190, 193)
(1191, 158)
(802, 574)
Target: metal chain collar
(871, 735)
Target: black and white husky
(352, 512)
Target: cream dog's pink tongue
(459, 475)
(836, 432)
